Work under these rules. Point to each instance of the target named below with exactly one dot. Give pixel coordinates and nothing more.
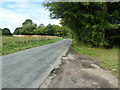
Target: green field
(108, 57)
(14, 44)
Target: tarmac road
(29, 68)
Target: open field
(14, 44)
(107, 57)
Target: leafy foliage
(89, 21)
(5, 31)
(29, 28)
(17, 31)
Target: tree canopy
(5, 31)
(30, 28)
(17, 31)
(92, 22)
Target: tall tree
(40, 30)
(27, 27)
(27, 22)
(50, 29)
(17, 31)
(88, 20)
(6, 31)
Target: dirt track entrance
(79, 71)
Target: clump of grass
(109, 57)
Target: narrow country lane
(29, 68)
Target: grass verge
(14, 47)
(108, 57)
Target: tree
(41, 25)
(62, 31)
(88, 20)
(17, 31)
(50, 29)
(6, 31)
(40, 30)
(57, 30)
(66, 31)
(27, 27)
(27, 22)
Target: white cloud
(13, 15)
(10, 19)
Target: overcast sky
(14, 13)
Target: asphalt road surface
(29, 68)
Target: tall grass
(14, 44)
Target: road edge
(56, 65)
